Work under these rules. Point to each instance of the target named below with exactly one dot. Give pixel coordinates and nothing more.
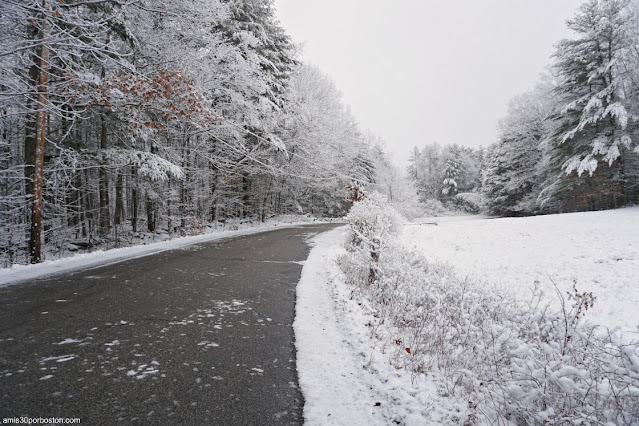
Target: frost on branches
(373, 224)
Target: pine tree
(586, 158)
(253, 27)
(452, 170)
(599, 118)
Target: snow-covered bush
(428, 208)
(515, 361)
(432, 207)
(373, 224)
(468, 202)
(373, 219)
(409, 209)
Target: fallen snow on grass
(351, 371)
(343, 372)
(21, 273)
(597, 250)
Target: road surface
(200, 335)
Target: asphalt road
(201, 335)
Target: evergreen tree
(452, 170)
(514, 174)
(597, 128)
(252, 27)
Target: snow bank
(344, 373)
(330, 379)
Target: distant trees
(158, 117)
(326, 150)
(390, 180)
(425, 167)
(569, 144)
(440, 172)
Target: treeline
(443, 171)
(571, 143)
(121, 117)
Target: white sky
(420, 71)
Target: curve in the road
(200, 335)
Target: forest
(568, 144)
(122, 119)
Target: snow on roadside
(20, 273)
(598, 250)
(344, 375)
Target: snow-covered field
(598, 250)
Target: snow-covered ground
(598, 250)
(21, 273)
(344, 371)
(344, 380)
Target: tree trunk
(30, 136)
(246, 207)
(77, 205)
(105, 217)
(89, 204)
(622, 180)
(134, 201)
(35, 239)
(213, 193)
(169, 224)
(183, 208)
(150, 215)
(119, 201)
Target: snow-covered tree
(586, 159)
(326, 150)
(55, 53)
(598, 87)
(597, 84)
(513, 178)
(253, 27)
(426, 169)
(452, 170)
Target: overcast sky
(420, 71)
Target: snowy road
(200, 335)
